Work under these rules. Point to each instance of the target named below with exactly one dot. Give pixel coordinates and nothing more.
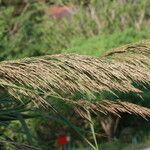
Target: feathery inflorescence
(107, 107)
(64, 75)
(136, 53)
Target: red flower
(62, 140)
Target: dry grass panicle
(107, 107)
(63, 75)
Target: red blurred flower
(62, 140)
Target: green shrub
(36, 34)
(95, 46)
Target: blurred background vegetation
(27, 28)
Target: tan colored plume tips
(63, 75)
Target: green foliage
(32, 33)
(31, 37)
(95, 46)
